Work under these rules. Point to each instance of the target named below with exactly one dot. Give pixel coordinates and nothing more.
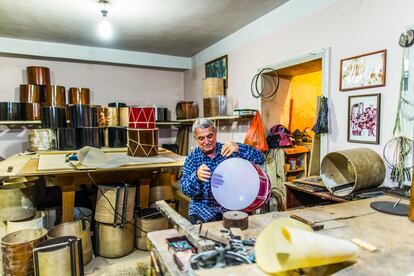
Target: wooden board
(53, 162)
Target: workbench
(392, 235)
(69, 179)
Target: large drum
(238, 184)
(142, 117)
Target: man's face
(206, 139)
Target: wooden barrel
(78, 228)
(17, 201)
(213, 87)
(114, 241)
(55, 95)
(79, 95)
(36, 222)
(142, 142)
(38, 75)
(148, 220)
(17, 251)
(186, 110)
(30, 93)
(115, 195)
(59, 256)
(347, 171)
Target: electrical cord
(115, 211)
(264, 75)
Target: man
(201, 163)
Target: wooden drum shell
(114, 242)
(79, 95)
(55, 95)
(38, 75)
(142, 142)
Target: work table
(392, 235)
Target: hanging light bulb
(105, 28)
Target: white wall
(349, 27)
(108, 83)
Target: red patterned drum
(238, 184)
(142, 117)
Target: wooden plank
(315, 152)
(295, 150)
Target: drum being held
(238, 184)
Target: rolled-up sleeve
(189, 183)
(251, 154)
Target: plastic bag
(321, 125)
(256, 134)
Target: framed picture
(218, 68)
(364, 71)
(364, 118)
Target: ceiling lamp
(104, 28)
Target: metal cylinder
(348, 171)
(78, 228)
(17, 251)
(114, 241)
(38, 75)
(17, 201)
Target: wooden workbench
(69, 179)
(392, 235)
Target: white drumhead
(235, 184)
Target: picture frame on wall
(364, 118)
(218, 68)
(363, 71)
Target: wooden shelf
(300, 169)
(227, 117)
(38, 122)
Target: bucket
(17, 201)
(148, 220)
(78, 228)
(124, 205)
(59, 256)
(36, 222)
(348, 171)
(17, 251)
(114, 241)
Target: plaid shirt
(202, 202)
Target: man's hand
(229, 148)
(203, 173)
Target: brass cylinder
(17, 251)
(55, 95)
(79, 95)
(114, 241)
(59, 256)
(347, 171)
(38, 75)
(30, 93)
(17, 201)
(77, 228)
(115, 195)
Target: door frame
(325, 56)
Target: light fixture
(104, 28)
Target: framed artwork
(218, 68)
(364, 118)
(364, 71)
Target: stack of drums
(142, 134)
(114, 216)
(148, 220)
(214, 101)
(77, 228)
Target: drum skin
(238, 184)
(142, 117)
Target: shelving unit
(299, 167)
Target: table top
(27, 165)
(349, 220)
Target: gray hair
(203, 123)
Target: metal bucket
(17, 201)
(78, 228)
(17, 251)
(36, 222)
(122, 198)
(59, 256)
(114, 241)
(348, 171)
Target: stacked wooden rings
(142, 134)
